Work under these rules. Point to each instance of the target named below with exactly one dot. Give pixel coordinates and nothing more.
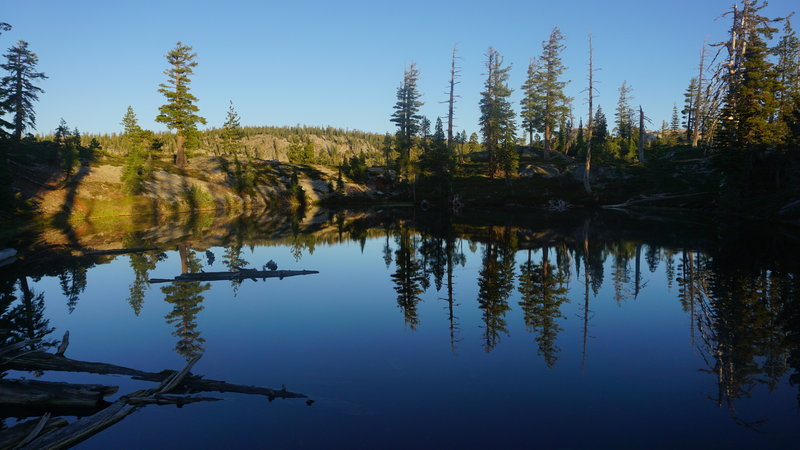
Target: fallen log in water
(43, 361)
(15, 435)
(33, 393)
(651, 199)
(83, 428)
(118, 251)
(238, 275)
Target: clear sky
(339, 63)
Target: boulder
(544, 171)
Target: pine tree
(624, 113)
(18, 91)
(497, 117)
(689, 108)
(545, 100)
(599, 129)
(530, 105)
(406, 116)
(751, 105)
(232, 133)
(130, 123)
(787, 67)
(179, 113)
(676, 121)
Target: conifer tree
(544, 99)
(599, 129)
(18, 90)
(676, 122)
(232, 133)
(624, 113)
(689, 108)
(179, 113)
(530, 105)
(406, 116)
(787, 66)
(497, 117)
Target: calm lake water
(574, 331)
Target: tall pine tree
(179, 113)
(497, 118)
(18, 90)
(545, 103)
(406, 116)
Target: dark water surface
(494, 332)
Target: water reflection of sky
(340, 337)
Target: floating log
(83, 428)
(195, 383)
(239, 275)
(15, 435)
(43, 361)
(119, 251)
(651, 199)
(33, 393)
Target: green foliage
(197, 197)
(438, 161)
(356, 168)
(68, 145)
(300, 152)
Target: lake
(491, 330)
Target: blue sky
(339, 63)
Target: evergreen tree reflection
(73, 283)
(408, 277)
(543, 292)
(495, 283)
(186, 302)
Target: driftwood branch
(64, 344)
(83, 428)
(651, 199)
(43, 361)
(33, 393)
(22, 433)
(120, 251)
(242, 274)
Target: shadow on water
(737, 283)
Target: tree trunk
(546, 153)
(641, 134)
(180, 154)
(698, 99)
(588, 166)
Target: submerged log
(118, 251)
(652, 199)
(15, 435)
(32, 393)
(43, 361)
(242, 274)
(84, 428)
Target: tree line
(742, 108)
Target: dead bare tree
(698, 99)
(588, 165)
(451, 102)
